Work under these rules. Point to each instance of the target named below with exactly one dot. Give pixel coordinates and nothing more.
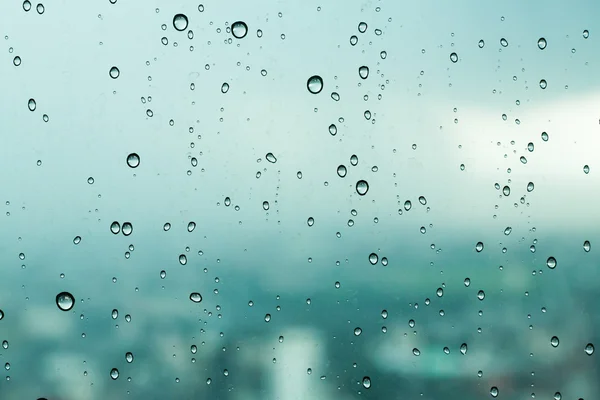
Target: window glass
(299, 200)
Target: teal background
(428, 116)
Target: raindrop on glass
(586, 169)
(129, 357)
(114, 72)
(133, 160)
(77, 240)
(195, 297)
(271, 158)
(362, 187)
(191, 226)
(543, 84)
(363, 72)
(494, 391)
(586, 34)
(481, 44)
(454, 57)
(463, 349)
(332, 129)
(479, 247)
(587, 246)
(589, 349)
(366, 382)
(114, 374)
(239, 29)
(225, 87)
(357, 331)
(373, 258)
(551, 262)
(31, 105)
(65, 301)
(115, 227)
(416, 352)
(180, 22)
(503, 42)
(182, 259)
(530, 187)
(341, 171)
(542, 43)
(354, 160)
(554, 341)
(127, 228)
(362, 27)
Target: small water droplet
(503, 42)
(267, 317)
(127, 228)
(494, 391)
(265, 205)
(26, 5)
(362, 187)
(422, 200)
(225, 87)
(180, 22)
(354, 160)
(481, 295)
(77, 239)
(196, 297)
(129, 357)
(182, 259)
(335, 96)
(506, 190)
(341, 171)
(586, 34)
(271, 158)
(114, 374)
(373, 258)
(467, 282)
(133, 160)
(542, 43)
(589, 349)
(481, 44)
(166, 226)
(65, 301)
(454, 57)
(114, 314)
(40, 8)
(31, 104)
(366, 382)
(362, 27)
(463, 349)
(114, 72)
(544, 136)
(315, 84)
(479, 247)
(239, 29)
(551, 262)
(587, 246)
(416, 352)
(357, 331)
(543, 84)
(310, 221)
(586, 169)
(115, 227)
(530, 187)
(363, 72)
(191, 226)
(332, 129)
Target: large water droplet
(439, 292)
(65, 301)
(40, 8)
(266, 205)
(341, 171)
(551, 262)
(454, 57)
(362, 187)
(114, 72)
(366, 382)
(31, 105)
(182, 259)
(314, 84)
(506, 190)
(271, 158)
(494, 391)
(114, 314)
(467, 282)
(191, 226)
(363, 72)
(127, 228)
(180, 22)
(542, 43)
(26, 5)
(479, 247)
(115, 227)
(353, 40)
(129, 357)
(373, 258)
(554, 341)
(463, 349)
(362, 27)
(133, 160)
(239, 29)
(196, 297)
(114, 374)
(589, 349)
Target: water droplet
(503, 42)
(454, 57)
(544, 136)
(481, 295)
(191, 226)
(166, 226)
(163, 274)
(180, 22)
(310, 221)
(362, 187)
(335, 96)
(530, 146)
(114, 314)
(31, 105)
(479, 247)
(416, 352)
(366, 382)
(554, 341)
(239, 29)
(357, 331)
(354, 160)
(127, 228)
(467, 282)
(507, 230)
(17, 61)
(463, 349)
(589, 349)
(115, 227)
(587, 246)
(133, 160)
(40, 8)
(26, 5)
(129, 357)
(77, 240)
(65, 301)
(530, 187)
(271, 158)
(384, 261)
(506, 190)
(227, 201)
(586, 169)
(196, 297)
(422, 200)
(182, 259)
(543, 84)
(481, 44)
(353, 40)
(373, 258)
(332, 129)
(542, 43)
(363, 72)
(1, 315)
(114, 374)
(494, 391)
(114, 72)
(362, 27)
(265, 205)
(314, 84)
(383, 55)
(267, 317)
(551, 262)
(341, 171)
(586, 34)
(439, 292)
